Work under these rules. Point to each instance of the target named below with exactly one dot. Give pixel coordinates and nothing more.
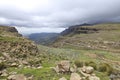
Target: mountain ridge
(101, 36)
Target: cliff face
(13, 42)
(77, 29)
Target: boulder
(88, 69)
(63, 78)
(62, 67)
(14, 65)
(75, 76)
(17, 77)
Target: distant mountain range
(43, 38)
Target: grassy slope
(53, 55)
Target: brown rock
(64, 66)
(93, 77)
(17, 77)
(63, 78)
(87, 69)
(75, 76)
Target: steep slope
(15, 50)
(101, 37)
(43, 38)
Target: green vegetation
(40, 74)
(11, 39)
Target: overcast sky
(30, 16)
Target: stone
(6, 55)
(14, 65)
(64, 66)
(13, 73)
(63, 78)
(25, 62)
(39, 67)
(93, 77)
(89, 70)
(56, 69)
(17, 77)
(75, 76)
(30, 78)
(72, 70)
(4, 74)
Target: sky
(36, 16)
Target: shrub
(80, 63)
(92, 64)
(104, 67)
(2, 66)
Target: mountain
(43, 38)
(100, 36)
(73, 28)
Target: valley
(96, 46)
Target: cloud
(25, 30)
(52, 14)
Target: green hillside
(96, 46)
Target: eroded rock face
(75, 76)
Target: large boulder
(62, 67)
(75, 76)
